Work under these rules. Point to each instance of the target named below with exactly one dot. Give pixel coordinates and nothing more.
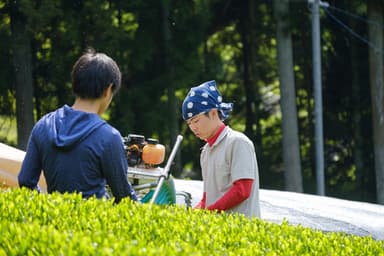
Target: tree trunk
(169, 71)
(249, 74)
(356, 120)
(375, 13)
(291, 147)
(22, 63)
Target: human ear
(214, 112)
(108, 92)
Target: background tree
(375, 14)
(165, 47)
(358, 101)
(22, 69)
(291, 148)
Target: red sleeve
(201, 204)
(239, 192)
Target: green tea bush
(65, 224)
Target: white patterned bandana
(202, 99)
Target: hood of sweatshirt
(68, 127)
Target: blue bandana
(203, 98)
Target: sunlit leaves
(57, 224)
(125, 20)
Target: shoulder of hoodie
(41, 123)
(109, 129)
(105, 128)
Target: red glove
(239, 192)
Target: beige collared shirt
(230, 158)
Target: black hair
(92, 74)
(206, 113)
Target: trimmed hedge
(65, 224)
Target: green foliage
(205, 41)
(8, 130)
(65, 224)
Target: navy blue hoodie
(78, 152)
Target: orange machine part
(153, 153)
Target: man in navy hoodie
(77, 150)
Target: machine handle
(165, 172)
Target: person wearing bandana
(228, 159)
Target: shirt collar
(213, 139)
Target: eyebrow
(196, 116)
(191, 119)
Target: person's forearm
(239, 192)
(30, 171)
(121, 188)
